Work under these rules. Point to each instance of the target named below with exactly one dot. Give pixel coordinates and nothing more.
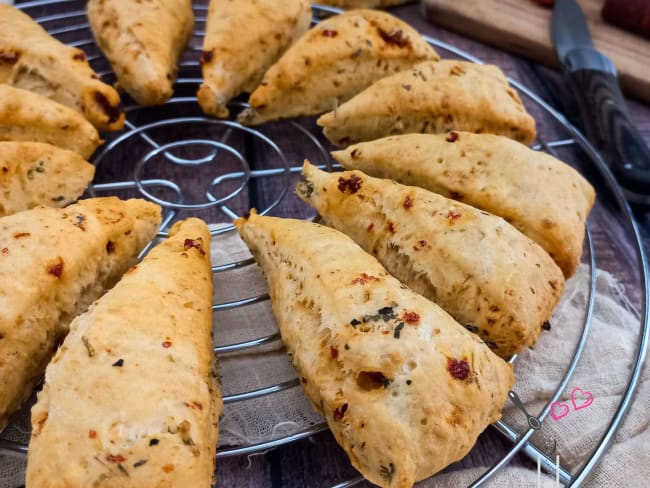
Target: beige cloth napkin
(603, 371)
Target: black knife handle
(608, 126)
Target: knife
(607, 124)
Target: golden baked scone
(34, 173)
(32, 59)
(54, 263)
(263, 30)
(491, 278)
(404, 388)
(143, 42)
(432, 98)
(362, 3)
(28, 116)
(334, 61)
(541, 196)
(132, 393)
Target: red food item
(411, 317)
(167, 344)
(353, 183)
(408, 202)
(115, 458)
(339, 413)
(334, 352)
(452, 215)
(452, 137)
(206, 56)
(459, 369)
(329, 33)
(56, 268)
(92, 434)
(194, 243)
(633, 15)
(363, 279)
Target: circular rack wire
(178, 134)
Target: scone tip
(241, 221)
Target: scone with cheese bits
(27, 116)
(432, 98)
(334, 61)
(145, 410)
(404, 388)
(32, 59)
(34, 173)
(143, 42)
(541, 196)
(55, 262)
(264, 29)
(490, 277)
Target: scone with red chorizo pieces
(28, 116)
(541, 196)
(131, 393)
(143, 42)
(264, 29)
(334, 61)
(32, 59)
(54, 263)
(34, 173)
(490, 277)
(432, 98)
(404, 388)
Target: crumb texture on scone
(264, 29)
(144, 411)
(143, 42)
(35, 173)
(54, 263)
(370, 352)
(543, 197)
(333, 61)
(32, 59)
(490, 277)
(432, 98)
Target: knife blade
(594, 83)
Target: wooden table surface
(318, 461)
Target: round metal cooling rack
(220, 169)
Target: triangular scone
(404, 388)
(334, 61)
(54, 263)
(27, 116)
(32, 59)
(490, 277)
(132, 393)
(432, 98)
(362, 3)
(34, 173)
(263, 30)
(143, 42)
(541, 196)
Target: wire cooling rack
(220, 169)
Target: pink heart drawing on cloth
(563, 409)
(582, 396)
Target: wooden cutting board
(523, 27)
